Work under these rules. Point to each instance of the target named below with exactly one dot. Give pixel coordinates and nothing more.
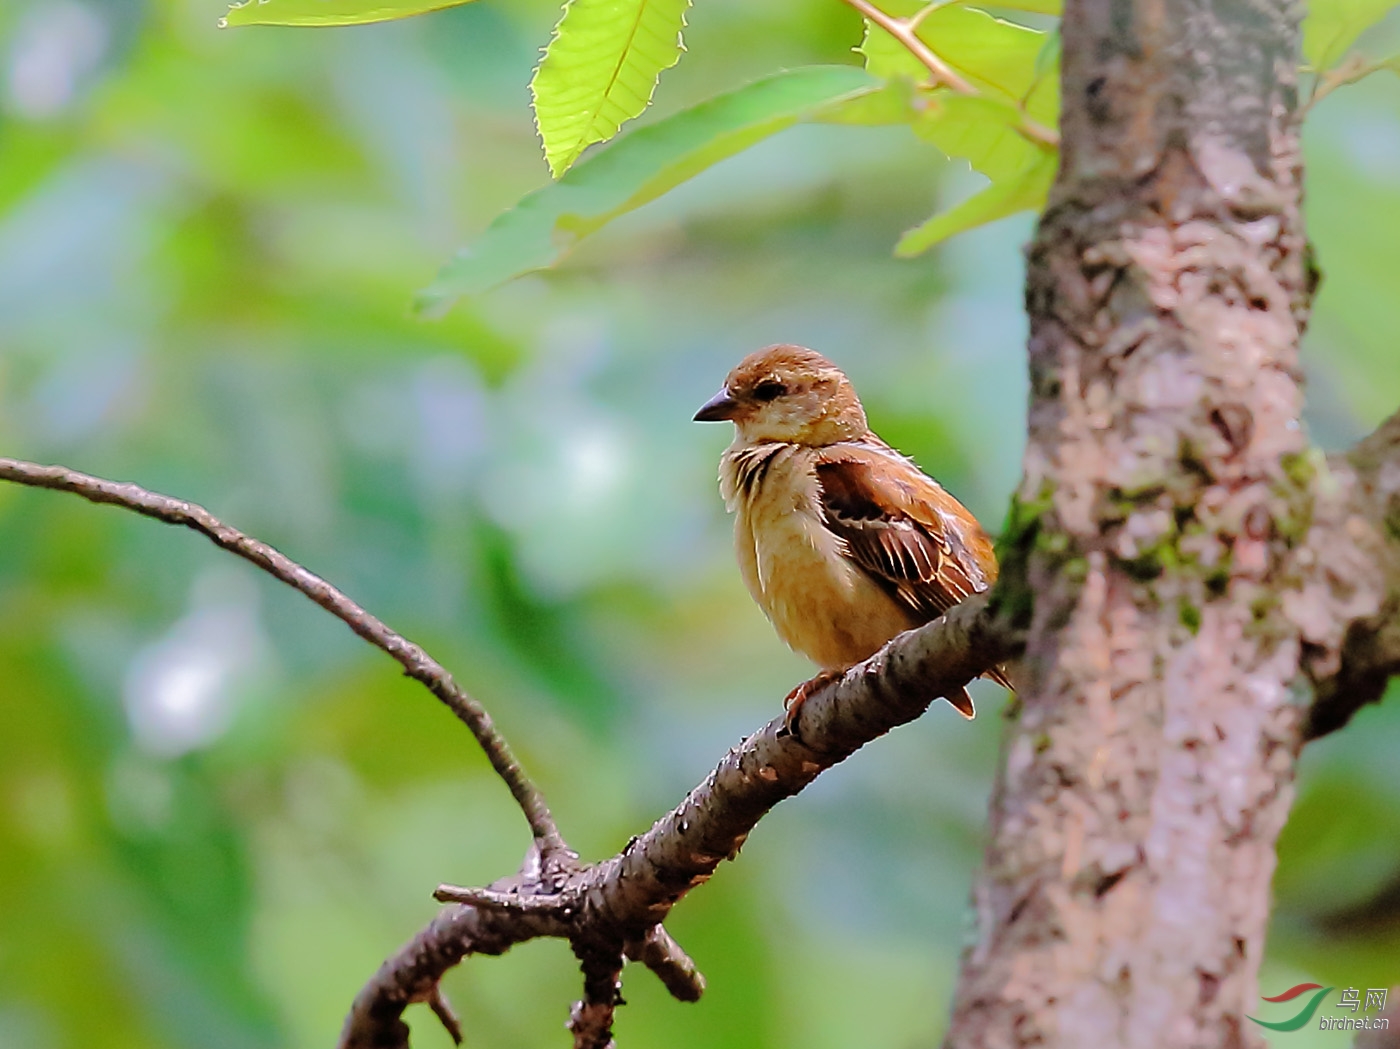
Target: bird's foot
(801, 694)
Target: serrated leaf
(639, 167)
(1020, 192)
(982, 131)
(1002, 59)
(999, 57)
(1332, 26)
(600, 70)
(887, 58)
(328, 12)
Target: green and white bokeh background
(219, 811)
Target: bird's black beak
(718, 408)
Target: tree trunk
(1166, 489)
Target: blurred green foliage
(219, 811)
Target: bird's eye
(769, 390)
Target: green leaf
(1332, 26)
(886, 57)
(879, 105)
(600, 71)
(1002, 59)
(1047, 63)
(981, 130)
(328, 12)
(1037, 7)
(1015, 69)
(1020, 192)
(641, 166)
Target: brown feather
(903, 530)
(842, 541)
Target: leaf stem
(905, 30)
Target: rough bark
(1125, 892)
(1349, 605)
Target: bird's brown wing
(903, 530)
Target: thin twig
(412, 973)
(905, 34)
(442, 1009)
(672, 966)
(1354, 67)
(1038, 132)
(591, 1020)
(511, 902)
(415, 661)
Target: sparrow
(841, 540)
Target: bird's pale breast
(820, 603)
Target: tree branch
(591, 1019)
(413, 973)
(505, 902)
(672, 966)
(1350, 611)
(610, 910)
(416, 663)
(620, 902)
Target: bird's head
(788, 393)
